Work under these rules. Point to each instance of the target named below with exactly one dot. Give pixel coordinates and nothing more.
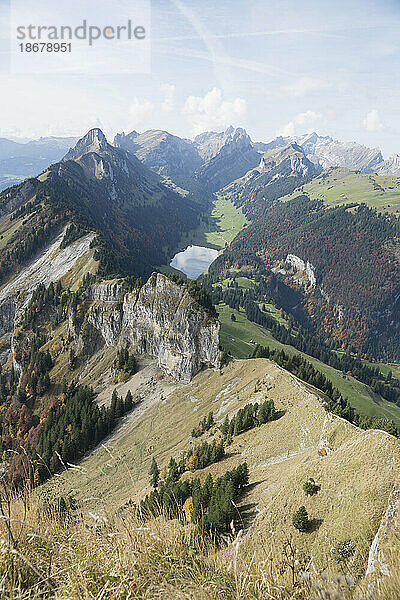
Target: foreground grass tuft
(53, 551)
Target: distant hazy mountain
(327, 152)
(390, 166)
(210, 143)
(166, 154)
(19, 161)
(227, 155)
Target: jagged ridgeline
(96, 187)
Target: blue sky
(270, 66)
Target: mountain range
(211, 435)
(21, 160)
(100, 188)
(178, 158)
(158, 149)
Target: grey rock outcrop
(93, 141)
(161, 320)
(377, 563)
(7, 315)
(293, 161)
(232, 155)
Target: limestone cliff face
(378, 564)
(161, 319)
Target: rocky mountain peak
(121, 139)
(292, 154)
(93, 141)
(390, 166)
(210, 143)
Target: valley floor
(222, 225)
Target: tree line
(333, 399)
(248, 417)
(304, 340)
(210, 505)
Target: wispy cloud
(304, 85)
(212, 111)
(372, 121)
(304, 122)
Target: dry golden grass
(57, 554)
(106, 552)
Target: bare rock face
(229, 155)
(7, 314)
(390, 166)
(378, 564)
(109, 291)
(161, 319)
(93, 141)
(292, 160)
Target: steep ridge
(97, 187)
(279, 171)
(355, 470)
(228, 157)
(52, 264)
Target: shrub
(310, 487)
(300, 519)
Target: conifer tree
(155, 473)
(173, 470)
(128, 401)
(300, 519)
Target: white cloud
(213, 112)
(140, 111)
(304, 85)
(168, 103)
(305, 122)
(372, 121)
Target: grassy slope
(8, 228)
(235, 338)
(223, 225)
(356, 187)
(357, 474)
